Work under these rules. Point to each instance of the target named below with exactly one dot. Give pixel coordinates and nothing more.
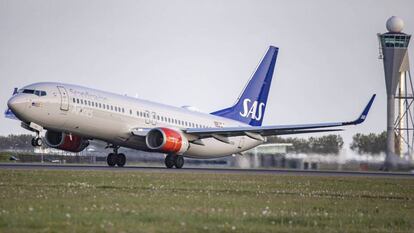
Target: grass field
(110, 201)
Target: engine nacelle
(167, 140)
(63, 141)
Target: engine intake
(63, 141)
(167, 140)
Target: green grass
(108, 201)
(4, 156)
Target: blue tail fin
(250, 106)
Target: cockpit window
(31, 91)
(28, 91)
(40, 93)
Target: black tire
(33, 142)
(38, 141)
(121, 160)
(179, 161)
(111, 159)
(169, 161)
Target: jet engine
(167, 140)
(67, 142)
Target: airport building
(399, 87)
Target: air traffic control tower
(400, 106)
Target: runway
(39, 166)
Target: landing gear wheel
(169, 161)
(37, 142)
(179, 161)
(111, 159)
(121, 160)
(33, 142)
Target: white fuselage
(109, 117)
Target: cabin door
(64, 98)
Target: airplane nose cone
(17, 104)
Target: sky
(202, 53)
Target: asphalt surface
(39, 166)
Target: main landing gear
(172, 160)
(115, 158)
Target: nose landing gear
(37, 141)
(172, 160)
(116, 159)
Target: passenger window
(123, 110)
(81, 101)
(130, 112)
(77, 100)
(74, 101)
(112, 107)
(100, 106)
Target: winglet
(364, 113)
(8, 113)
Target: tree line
(12, 141)
(372, 143)
(329, 144)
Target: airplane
(72, 115)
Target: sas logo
(253, 110)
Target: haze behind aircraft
(72, 115)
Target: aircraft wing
(258, 131)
